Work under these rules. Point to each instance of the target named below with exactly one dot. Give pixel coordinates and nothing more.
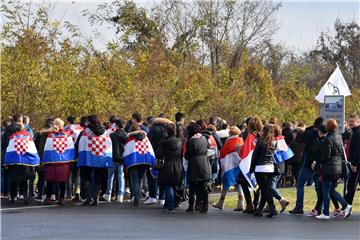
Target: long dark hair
(268, 135)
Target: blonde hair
(58, 124)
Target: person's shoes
(12, 200)
(171, 211)
(322, 216)
(283, 204)
(102, 199)
(47, 201)
(220, 204)
(249, 209)
(338, 213)
(150, 201)
(198, 206)
(266, 209)
(347, 211)
(107, 197)
(96, 202)
(77, 197)
(240, 205)
(314, 213)
(119, 198)
(162, 202)
(190, 209)
(272, 212)
(87, 202)
(61, 202)
(136, 203)
(296, 211)
(53, 197)
(204, 208)
(257, 214)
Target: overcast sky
(300, 21)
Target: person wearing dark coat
(317, 172)
(262, 164)
(331, 169)
(354, 158)
(118, 139)
(309, 138)
(199, 169)
(156, 134)
(297, 146)
(170, 175)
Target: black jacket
(199, 168)
(171, 173)
(262, 155)
(288, 134)
(157, 133)
(309, 138)
(332, 154)
(319, 148)
(354, 148)
(118, 139)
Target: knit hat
(234, 130)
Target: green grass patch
(290, 195)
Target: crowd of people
(168, 162)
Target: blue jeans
(273, 187)
(169, 197)
(136, 174)
(118, 167)
(304, 176)
(329, 190)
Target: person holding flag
(138, 157)
(245, 178)
(262, 164)
(58, 153)
(229, 162)
(20, 157)
(94, 157)
(282, 154)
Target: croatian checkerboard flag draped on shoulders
(59, 147)
(94, 150)
(282, 151)
(229, 161)
(138, 152)
(246, 153)
(76, 130)
(21, 150)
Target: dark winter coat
(332, 153)
(262, 155)
(354, 148)
(118, 139)
(171, 173)
(288, 134)
(310, 139)
(157, 133)
(199, 168)
(297, 146)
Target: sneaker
(338, 213)
(347, 211)
(322, 216)
(53, 197)
(150, 201)
(171, 211)
(120, 198)
(61, 202)
(162, 202)
(127, 191)
(47, 201)
(314, 213)
(107, 197)
(296, 211)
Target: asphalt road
(122, 221)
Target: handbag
(159, 163)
